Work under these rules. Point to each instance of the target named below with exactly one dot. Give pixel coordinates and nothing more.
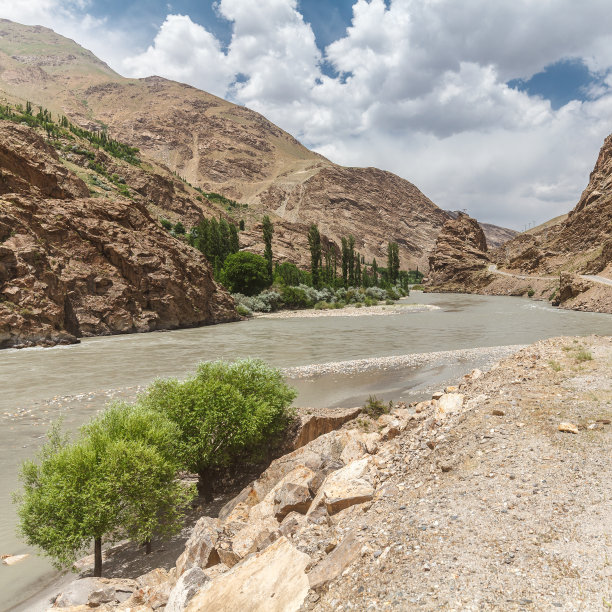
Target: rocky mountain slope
(567, 261)
(74, 265)
(223, 148)
(383, 513)
(495, 235)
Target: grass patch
(583, 355)
(375, 407)
(555, 365)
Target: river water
(39, 385)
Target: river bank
(520, 455)
(75, 382)
(348, 311)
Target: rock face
(459, 261)
(496, 236)
(73, 266)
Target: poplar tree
(314, 242)
(268, 231)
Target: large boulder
(187, 586)
(200, 548)
(270, 581)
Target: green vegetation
(530, 292)
(314, 243)
(583, 355)
(117, 480)
(227, 413)
(268, 232)
(216, 240)
(63, 127)
(246, 273)
(375, 407)
(554, 365)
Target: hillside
(220, 147)
(80, 252)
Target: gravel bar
(347, 311)
(492, 353)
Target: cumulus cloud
(415, 86)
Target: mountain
(495, 235)
(567, 260)
(220, 147)
(81, 255)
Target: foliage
(244, 311)
(117, 480)
(266, 301)
(167, 225)
(217, 240)
(179, 228)
(245, 272)
(393, 263)
(268, 231)
(288, 274)
(314, 243)
(375, 407)
(224, 412)
(295, 297)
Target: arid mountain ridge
(567, 261)
(220, 147)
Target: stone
(449, 403)
(154, 587)
(355, 449)
(568, 427)
(291, 497)
(228, 557)
(270, 581)
(101, 596)
(336, 562)
(437, 395)
(498, 412)
(344, 488)
(13, 559)
(291, 524)
(422, 406)
(250, 538)
(315, 425)
(450, 389)
(187, 586)
(78, 592)
(200, 548)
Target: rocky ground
(347, 311)
(493, 495)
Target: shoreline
(391, 362)
(347, 311)
(120, 556)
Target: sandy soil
(347, 311)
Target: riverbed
(401, 357)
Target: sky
(495, 107)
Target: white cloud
(184, 51)
(421, 88)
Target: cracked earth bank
(494, 508)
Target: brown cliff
(459, 261)
(72, 265)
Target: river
(40, 385)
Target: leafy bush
(266, 301)
(295, 297)
(245, 272)
(244, 311)
(225, 412)
(377, 293)
(117, 480)
(375, 407)
(167, 225)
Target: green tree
(314, 242)
(358, 271)
(179, 228)
(374, 272)
(287, 274)
(246, 273)
(392, 262)
(345, 259)
(234, 241)
(351, 261)
(226, 412)
(268, 231)
(117, 480)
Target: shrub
(244, 311)
(377, 293)
(245, 272)
(530, 292)
(167, 225)
(375, 407)
(583, 355)
(225, 413)
(295, 297)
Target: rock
(270, 581)
(344, 488)
(254, 535)
(315, 425)
(183, 592)
(13, 559)
(450, 389)
(498, 412)
(355, 449)
(154, 587)
(421, 406)
(101, 596)
(437, 395)
(78, 592)
(336, 562)
(449, 403)
(200, 548)
(568, 428)
(228, 557)
(291, 497)
(291, 523)
(475, 374)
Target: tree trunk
(205, 485)
(148, 547)
(98, 558)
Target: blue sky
(498, 107)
